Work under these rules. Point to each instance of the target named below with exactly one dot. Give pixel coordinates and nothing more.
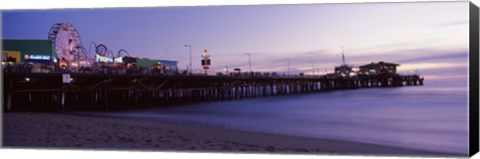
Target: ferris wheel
(66, 41)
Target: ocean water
(432, 117)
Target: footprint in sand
(270, 148)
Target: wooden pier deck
(94, 92)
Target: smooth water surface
(433, 117)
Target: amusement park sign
(38, 57)
(100, 58)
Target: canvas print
(361, 78)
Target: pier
(97, 92)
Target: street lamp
(190, 50)
(249, 61)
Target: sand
(73, 131)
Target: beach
(74, 131)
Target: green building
(145, 62)
(33, 49)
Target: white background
(82, 154)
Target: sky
(431, 37)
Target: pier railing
(93, 92)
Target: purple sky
(430, 37)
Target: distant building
(381, 67)
(161, 66)
(343, 70)
(170, 66)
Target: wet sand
(70, 131)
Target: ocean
(433, 117)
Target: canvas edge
(2, 88)
(474, 80)
(473, 77)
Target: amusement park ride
(68, 45)
(71, 53)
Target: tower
(205, 61)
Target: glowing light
(205, 54)
(39, 57)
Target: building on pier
(170, 66)
(38, 54)
(343, 70)
(380, 67)
(161, 66)
(30, 50)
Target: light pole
(190, 51)
(249, 61)
(288, 66)
(313, 68)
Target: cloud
(394, 45)
(435, 56)
(435, 63)
(451, 23)
(437, 71)
(419, 55)
(435, 67)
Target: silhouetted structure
(376, 68)
(107, 92)
(344, 69)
